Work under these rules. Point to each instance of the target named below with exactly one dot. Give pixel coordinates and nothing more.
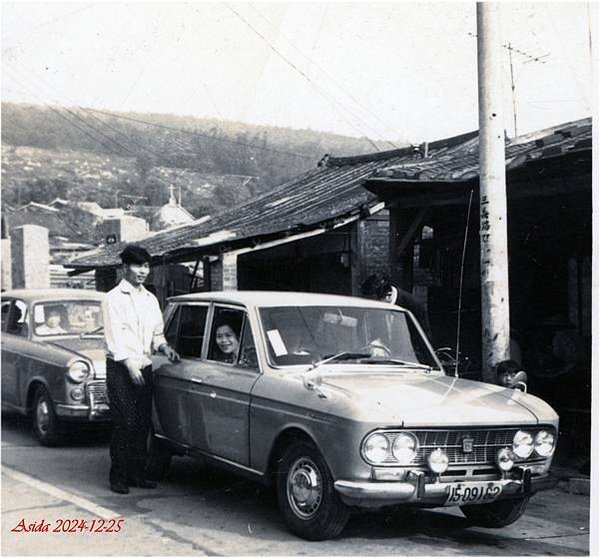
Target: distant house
(163, 217)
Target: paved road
(201, 511)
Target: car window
(17, 319)
(226, 334)
(172, 329)
(302, 335)
(4, 308)
(67, 317)
(247, 351)
(191, 330)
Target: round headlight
(78, 371)
(438, 461)
(544, 443)
(505, 459)
(376, 448)
(405, 448)
(523, 444)
(77, 393)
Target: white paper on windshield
(277, 343)
(38, 314)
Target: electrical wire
(333, 80)
(302, 73)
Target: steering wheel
(378, 345)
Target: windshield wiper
(384, 360)
(345, 355)
(91, 332)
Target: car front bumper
(417, 490)
(95, 408)
(99, 412)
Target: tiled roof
(318, 198)
(460, 162)
(335, 190)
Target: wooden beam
(409, 234)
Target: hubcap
(304, 488)
(43, 416)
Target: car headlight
(505, 459)
(438, 461)
(376, 448)
(78, 371)
(405, 448)
(523, 444)
(544, 443)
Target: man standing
(133, 328)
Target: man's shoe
(119, 487)
(142, 483)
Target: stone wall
(30, 254)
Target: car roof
(36, 295)
(281, 298)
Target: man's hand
(135, 374)
(170, 353)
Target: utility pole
(493, 201)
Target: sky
(399, 71)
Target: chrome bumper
(83, 412)
(415, 490)
(96, 408)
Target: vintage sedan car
(341, 404)
(53, 363)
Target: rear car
(53, 363)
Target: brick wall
(373, 238)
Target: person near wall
(384, 290)
(133, 328)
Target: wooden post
(493, 202)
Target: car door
(220, 396)
(15, 347)
(173, 381)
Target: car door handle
(213, 394)
(197, 380)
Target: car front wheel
(496, 514)
(46, 426)
(306, 494)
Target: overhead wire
(188, 132)
(333, 103)
(331, 78)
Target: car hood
(420, 399)
(92, 348)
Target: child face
(53, 319)
(226, 339)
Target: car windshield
(311, 334)
(67, 317)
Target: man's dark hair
(370, 284)
(135, 254)
(375, 285)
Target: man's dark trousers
(131, 408)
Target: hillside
(84, 154)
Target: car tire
(159, 459)
(46, 426)
(496, 514)
(306, 494)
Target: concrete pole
(493, 202)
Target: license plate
(472, 493)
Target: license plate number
(472, 492)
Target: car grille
(485, 443)
(96, 391)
